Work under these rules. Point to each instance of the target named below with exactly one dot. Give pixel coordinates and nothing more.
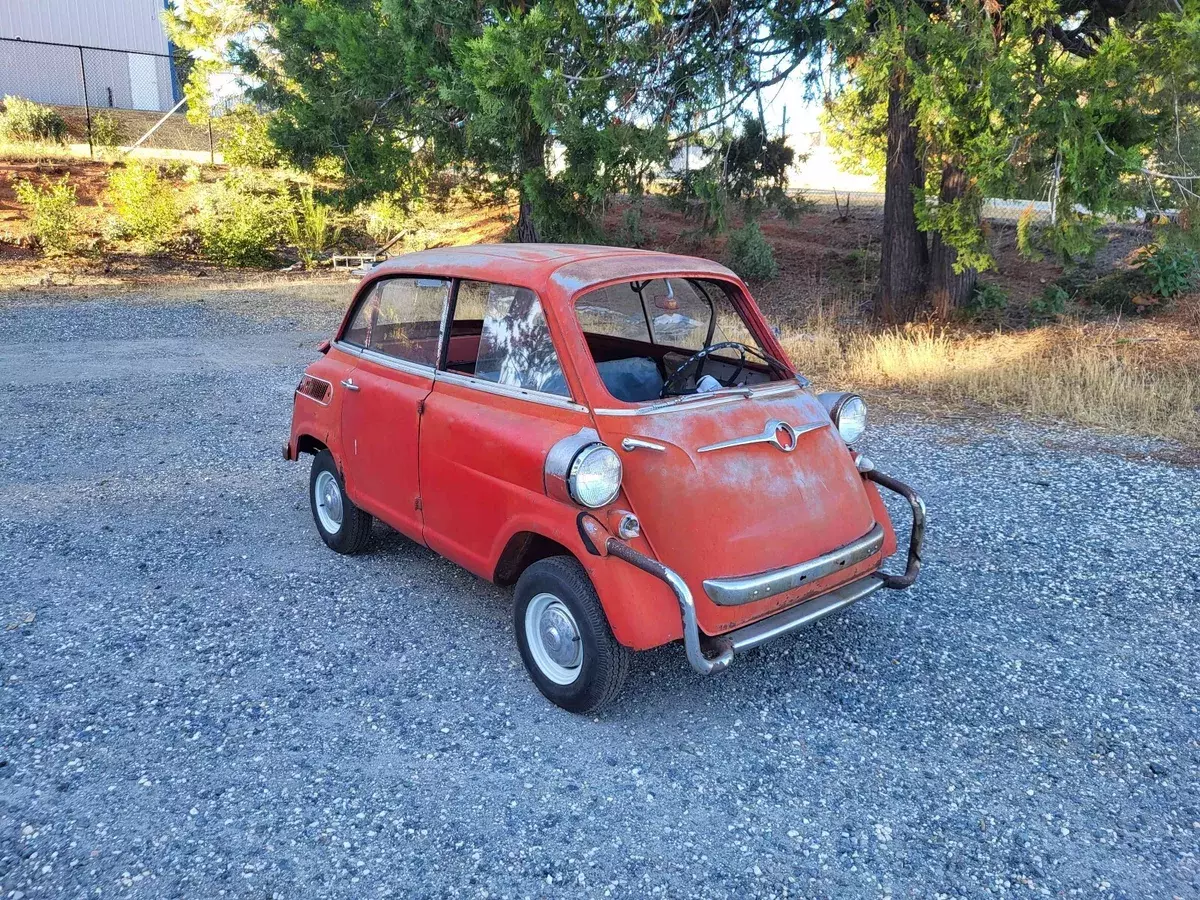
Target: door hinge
(420, 407)
(417, 503)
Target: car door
(394, 335)
(499, 403)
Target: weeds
(53, 213)
(146, 207)
(23, 120)
(1070, 373)
(107, 131)
(311, 229)
(239, 221)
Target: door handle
(349, 384)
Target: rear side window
(402, 318)
(499, 334)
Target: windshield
(669, 337)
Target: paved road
(197, 699)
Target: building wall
(55, 75)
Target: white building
(49, 49)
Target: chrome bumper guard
(703, 663)
(711, 655)
(913, 567)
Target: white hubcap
(329, 502)
(553, 639)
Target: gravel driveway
(200, 700)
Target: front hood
(741, 509)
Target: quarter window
(499, 334)
(402, 318)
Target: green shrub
(239, 221)
(749, 253)
(1116, 291)
(106, 130)
(1053, 302)
(24, 120)
(311, 228)
(246, 140)
(632, 232)
(987, 301)
(53, 213)
(1171, 269)
(146, 206)
(383, 218)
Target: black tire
(355, 529)
(605, 662)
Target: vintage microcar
(616, 432)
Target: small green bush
(239, 221)
(383, 218)
(1171, 269)
(1052, 303)
(311, 228)
(146, 206)
(106, 131)
(246, 140)
(24, 120)
(988, 301)
(632, 232)
(53, 213)
(1116, 291)
(749, 253)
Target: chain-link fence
(995, 209)
(115, 99)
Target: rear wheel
(564, 638)
(342, 525)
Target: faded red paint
(461, 470)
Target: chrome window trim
(690, 401)
(392, 362)
(751, 588)
(505, 390)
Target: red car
(616, 432)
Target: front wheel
(342, 525)
(564, 638)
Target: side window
(615, 310)
(401, 317)
(499, 334)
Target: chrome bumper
(749, 588)
(711, 655)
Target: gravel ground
(198, 699)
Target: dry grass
(1106, 377)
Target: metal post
(87, 107)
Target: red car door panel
(381, 425)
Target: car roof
(572, 267)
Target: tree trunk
(533, 160)
(947, 290)
(904, 257)
(527, 230)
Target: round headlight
(848, 412)
(595, 476)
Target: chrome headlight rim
(837, 404)
(589, 453)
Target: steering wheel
(673, 386)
